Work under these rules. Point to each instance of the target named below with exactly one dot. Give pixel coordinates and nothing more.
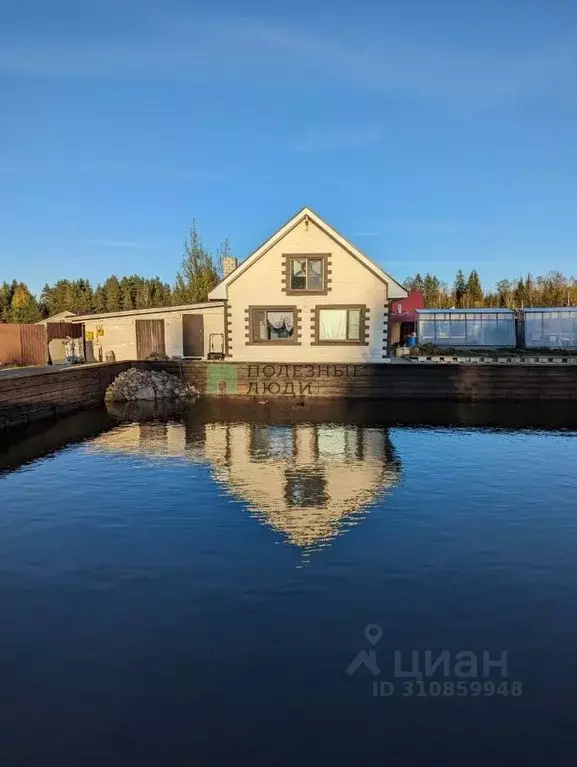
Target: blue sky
(432, 134)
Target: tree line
(200, 271)
(552, 289)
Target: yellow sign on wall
(89, 335)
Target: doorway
(192, 335)
(149, 338)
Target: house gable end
(316, 237)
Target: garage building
(190, 331)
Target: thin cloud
(122, 244)
(393, 62)
(479, 78)
(334, 139)
(424, 227)
(439, 261)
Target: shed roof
(152, 310)
(465, 311)
(550, 309)
(60, 317)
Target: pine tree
(143, 298)
(529, 290)
(6, 293)
(460, 290)
(414, 283)
(113, 298)
(160, 293)
(474, 290)
(198, 274)
(99, 302)
(519, 299)
(126, 294)
(83, 301)
(431, 287)
(504, 293)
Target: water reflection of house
(309, 482)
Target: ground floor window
(272, 325)
(340, 324)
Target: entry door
(192, 335)
(149, 338)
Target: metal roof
(151, 310)
(550, 309)
(464, 311)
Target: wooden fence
(63, 330)
(28, 344)
(23, 344)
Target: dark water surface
(190, 588)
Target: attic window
(307, 274)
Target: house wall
(350, 283)
(120, 331)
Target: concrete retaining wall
(33, 396)
(462, 383)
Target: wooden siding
(350, 283)
(149, 338)
(10, 346)
(63, 330)
(23, 344)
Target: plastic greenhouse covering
(470, 328)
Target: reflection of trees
(307, 481)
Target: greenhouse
(466, 327)
(554, 328)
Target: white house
(306, 295)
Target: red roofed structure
(402, 317)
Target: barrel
(110, 356)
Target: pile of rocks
(148, 385)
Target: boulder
(147, 385)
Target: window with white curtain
(274, 324)
(338, 324)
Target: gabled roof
(61, 316)
(220, 292)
